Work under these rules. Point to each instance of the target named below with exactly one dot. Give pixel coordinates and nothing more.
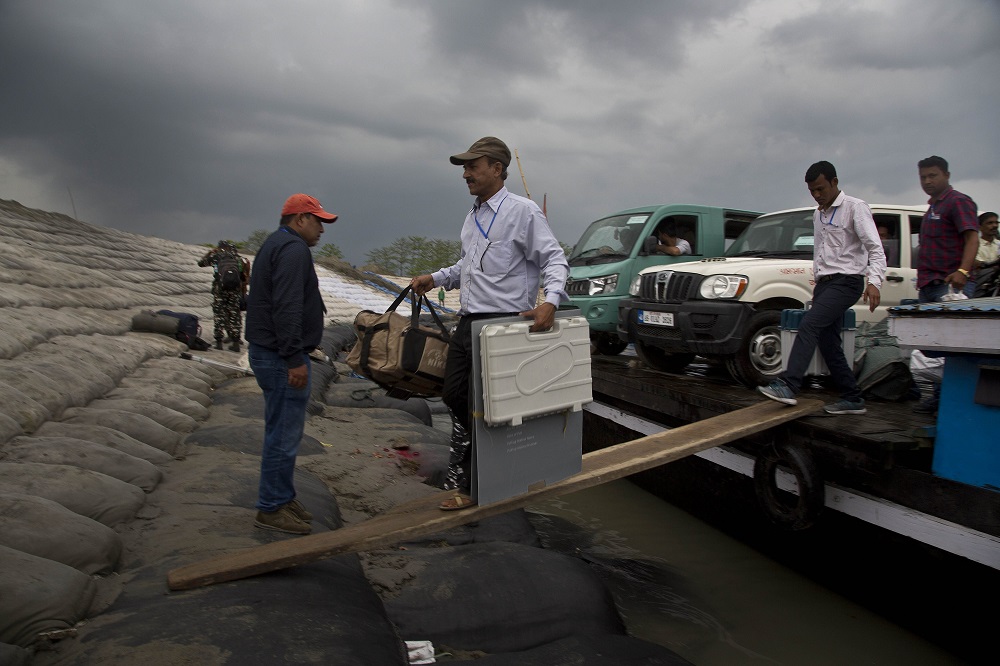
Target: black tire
(658, 359)
(758, 360)
(785, 509)
(609, 345)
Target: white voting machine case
(530, 374)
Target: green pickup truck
(612, 251)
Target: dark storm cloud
(528, 36)
(193, 121)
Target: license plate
(656, 318)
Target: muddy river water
(686, 585)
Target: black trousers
(457, 395)
(821, 328)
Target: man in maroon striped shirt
(949, 240)
(949, 233)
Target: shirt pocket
(836, 237)
(496, 259)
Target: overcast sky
(193, 120)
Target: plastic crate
(791, 320)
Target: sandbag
(500, 597)
(154, 386)
(39, 595)
(168, 399)
(212, 375)
(85, 455)
(91, 494)
(590, 650)
(368, 395)
(8, 428)
(28, 413)
(67, 537)
(67, 352)
(109, 437)
(879, 366)
(179, 377)
(337, 339)
(12, 655)
(81, 382)
(163, 415)
(138, 426)
(36, 386)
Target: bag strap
(415, 314)
(399, 299)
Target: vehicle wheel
(609, 345)
(759, 357)
(785, 509)
(660, 360)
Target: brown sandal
(456, 503)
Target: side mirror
(649, 245)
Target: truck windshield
(789, 234)
(612, 237)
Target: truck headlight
(633, 289)
(605, 284)
(723, 286)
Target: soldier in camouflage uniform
(226, 297)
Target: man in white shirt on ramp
(846, 249)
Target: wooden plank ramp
(421, 517)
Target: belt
(827, 278)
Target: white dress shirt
(507, 248)
(847, 241)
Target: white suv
(730, 307)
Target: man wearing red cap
(284, 323)
(508, 250)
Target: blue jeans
(284, 423)
(821, 329)
(931, 293)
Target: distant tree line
(252, 245)
(412, 255)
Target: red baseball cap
(303, 203)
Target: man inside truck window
(847, 248)
(890, 245)
(669, 242)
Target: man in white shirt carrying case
(846, 249)
(507, 250)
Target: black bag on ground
(397, 352)
(188, 328)
(230, 272)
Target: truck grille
(578, 287)
(646, 331)
(665, 286)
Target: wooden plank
(422, 517)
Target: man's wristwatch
(963, 272)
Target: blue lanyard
(475, 216)
(833, 215)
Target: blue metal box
(967, 445)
